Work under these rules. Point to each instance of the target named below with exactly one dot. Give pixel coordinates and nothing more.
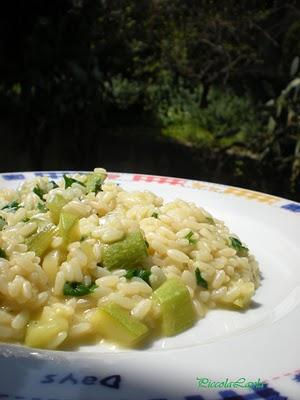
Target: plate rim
(276, 199)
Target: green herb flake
(25, 220)
(189, 237)
(237, 245)
(39, 192)
(69, 181)
(154, 215)
(3, 254)
(2, 223)
(210, 220)
(83, 238)
(97, 186)
(94, 182)
(54, 185)
(78, 289)
(93, 287)
(12, 206)
(140, 273)
(200, 281)
(42, 208)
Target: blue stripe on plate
(270, 394)
(197, 397)
(294, 207)
(297, 378)
(251, 396)
(52, 175)
(58, 174)
(13, 177)
(232, 395)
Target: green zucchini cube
(116, 324)
(41, 241)
(127, 253)
(177, 309)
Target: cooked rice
(31, 286)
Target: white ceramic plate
(261, 344)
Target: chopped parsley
(39, 192)
(54, 185)
(210, 220)
(25, 219)
(69, 181)
(154, 215)
(189, 237)
(237, 245)
(96, 185)
(140, 273)
(12, 206)
(42, 208)
(78, 289)
(200, 281)
(2, 223)
(83, 237)
(94, 182)
(3, 254)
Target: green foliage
(291, 44)
(281, 143)
(121, 92)
(75, 59)
(226, 120)
(190, 133)
(232, 118)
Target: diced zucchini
(55, 206)
(69, 227)
(177, 309)
(94, 181)
(43, 333)
(51, 263)
(41, 241)
(127, 253)
(114, 323)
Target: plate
(228, 355)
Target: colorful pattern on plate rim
(164, 180)
(267, 393)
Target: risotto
(82, 260)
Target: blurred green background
(200, 89)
